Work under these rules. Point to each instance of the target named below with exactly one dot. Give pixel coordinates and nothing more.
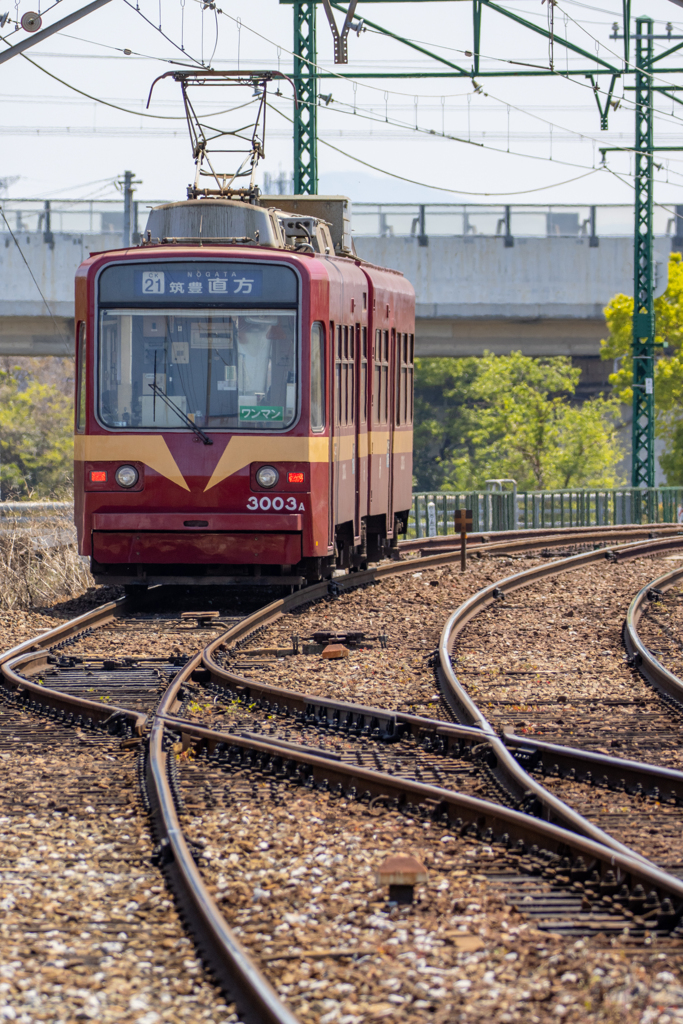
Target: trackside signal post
(640, 62)
(463, 525)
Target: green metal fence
(528, 510)
(491, 510)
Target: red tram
(244, 401)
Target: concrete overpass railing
(534, 278)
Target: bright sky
(519, 140)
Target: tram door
(344, 426)
(382, 408)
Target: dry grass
(39, 564)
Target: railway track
(298, 747)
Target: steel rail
(257, 1001)
(32, 658)
(96, 617)
(505, 766)
(235, 971)
(597, 769)
(237, 974)
(90, 712)
(269, 613)
(665, 682)
(506, 769)
(528, 540)
(467, 815)
(463, 706)
(586, 766)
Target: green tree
(444, 421)
(668, 372)
(36, 435)
(511, 416)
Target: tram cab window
(159, 368)
(80, 380)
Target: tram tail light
(98, 476)
(295, 478)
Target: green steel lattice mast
(642, 428)
(306, 108)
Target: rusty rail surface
(545, 841)
(528, 540)
(475, 732)
(237, 974)
(665, 682)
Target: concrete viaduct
(475, 291)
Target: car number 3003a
(266, 503)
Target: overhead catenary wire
(395, 122)
(432, 133)
(355, 83)
(582, 135)
(157, 28)
(461, 192)
(116, 106)
(318, 67)
(441, 188)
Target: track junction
(148, 680)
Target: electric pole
(128, 191)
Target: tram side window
(377, 381)
(384, 407)
(317, 377)
(404, 379)
(344, 376)
(80, 382)
(381, 388)
(411, 376)
(338, 418)
(363, 397)
(351, 379)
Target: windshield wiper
(176, 408)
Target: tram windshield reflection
(230, 371)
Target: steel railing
(532, 510)
(432, 512)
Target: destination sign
(197, 282)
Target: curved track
(564, 848)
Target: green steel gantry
(307, 75)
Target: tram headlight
(127, 476)
(267, 476)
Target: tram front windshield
(160, 368)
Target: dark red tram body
(297, 366)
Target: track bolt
(636, 900)
(579, 870)
(667, 915)
(652, 905)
